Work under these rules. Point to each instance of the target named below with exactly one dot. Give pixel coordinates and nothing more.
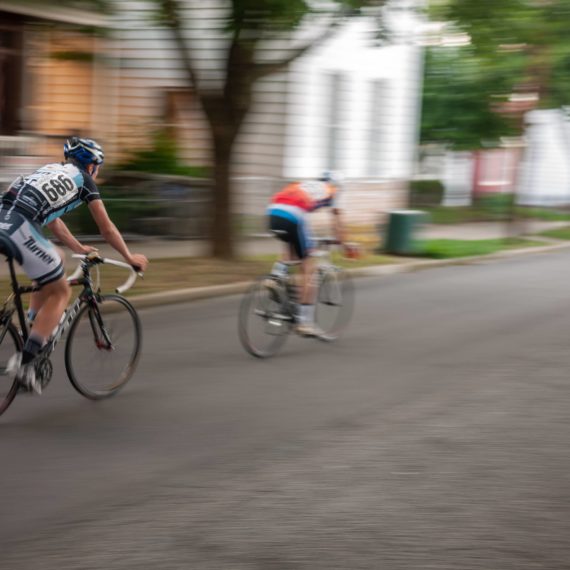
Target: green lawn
(460, 215)
(558, 233)
(450, 248)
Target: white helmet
(333, 177)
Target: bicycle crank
(44, 371)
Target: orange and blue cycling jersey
(288, 210)
(308, 196)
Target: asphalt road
(433, 436)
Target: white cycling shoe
(25, 374)
(309, 330)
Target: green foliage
(73, 56)
(162, 158)
(459, 90)
(104, 6)
(542, 214)
(271, 14)
(499, 206)
(124, 208)
(559, 233)
(481, 213)
(451, 248)
(535, 31)
(515, 46)
(425, 193)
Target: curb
(199, 293)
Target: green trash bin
(402, 232)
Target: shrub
(426, 193)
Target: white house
(545, 171)
(350, 104)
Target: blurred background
(205, 110)
(193, 117)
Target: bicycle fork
(100, 335)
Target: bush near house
(152, 193)
(426, 193)
(162, 158)
(125, 207)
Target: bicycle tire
(89, 335)
(271, 306)
(335, 298)
(10, 343)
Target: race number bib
(56, 186)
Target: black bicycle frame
(67, 316)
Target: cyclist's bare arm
(112, 235)
(338, 225)
(62, 233)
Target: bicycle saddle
(8, 249)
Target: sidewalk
(487, 230)
(159, 248)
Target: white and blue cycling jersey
(50, 192)
(36, 200)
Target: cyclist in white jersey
(40, 199)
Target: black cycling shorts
(293, 232)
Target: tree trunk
(222, 234)
(226, 114)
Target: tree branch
(263, 69)
(171, 15)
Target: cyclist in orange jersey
(288, 222)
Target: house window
(376, 126)
(10, 76)
(337, 99)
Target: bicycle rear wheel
(335, 303)
(264, 318)
(10, 343)
(103, 347)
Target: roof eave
(60, 14)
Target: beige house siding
(137, 84)
(60, 96)
(154, 91)
(260, 146)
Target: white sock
(307, 313)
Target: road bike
(104, 333)
(269, 309)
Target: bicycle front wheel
(335, 303)
(10, 343)
(103, 347)
(264, 320)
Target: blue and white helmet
(334, 178)
(83, 151)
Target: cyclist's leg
(55, 297)
(303, 246)
(38, 298)
(42, 263)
